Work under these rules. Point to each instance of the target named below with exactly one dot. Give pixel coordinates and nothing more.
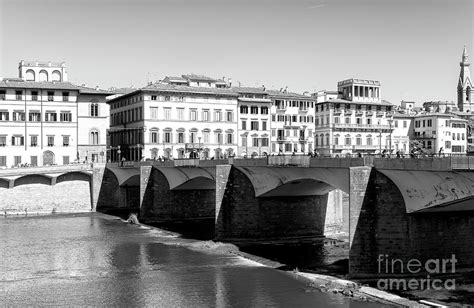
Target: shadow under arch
(33, 179)
(74, 176)
(4, 183)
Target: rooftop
(42, 63)
(289, 95)
(254, 90)
(49, 85)
(359, 81)
(195, 77)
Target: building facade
(292, 122)
(253, 112)
(179, 117)
(441, 130)
(356, 121)
(48, 122)
(465, 88)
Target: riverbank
(316, 282)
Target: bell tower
(465, 89)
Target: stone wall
(64, 197)
(242, 217)
(160, 204)
(384, 228)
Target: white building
(292, 122)
(50, 122)
(253, 121)
(436, 130)
(402, 130)
(179, 117)
(356, 121)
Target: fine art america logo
(389, 266)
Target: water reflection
(97, 260)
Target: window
(167, 137)
(50, 116)
(34, 95)
(180, 114)
(34, 116)
(396, 123)
(255, 142)
(217, 116)
(33, 140)
(65, 96)
(347, 140)
(230, 116)
(229, 138)
(94, 110)
(218, 137)
(3, 161)
(154, 112)
(18, 140)
(404, 124)
(264, 125)
(244, 124)
(254, 110)
(264, 110)
(254, 125)
(4, 115)
(206, 137)
(19, 95)
(369, 140)
(369, 121)
(180, 137)
(3, 141)
(50, 96)
(34, 160)
(205, 115)
(167, 113)
(18, 116)
(358, 121)
(154, 136)
(153, 97)
(192, 137)
(244, 109)
(65, 141)
(264, 142)
(94, 137)
(17, 160)
(167, 98)
(358, 140)
(65, 116)
(66, 160)
(193, 115)
(2, 97)
(348, 120)
(244, 141)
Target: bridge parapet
(45, 170)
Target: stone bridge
(404, 208)
(50, 188)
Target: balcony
(281, 139)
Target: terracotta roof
(258, 90)
(289, 95)
(195, 77)
(49, 85)
(160, 87)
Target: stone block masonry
(65, 197)
(160, 204)
(241, 217)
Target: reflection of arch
(48, 158)
(32, 179)
(73, 176)
(56, 76)
(30, 75)
(43, 75)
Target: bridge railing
(46, 169)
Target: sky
(412, 47)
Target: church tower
(465, 89)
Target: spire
(464, 55)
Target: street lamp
(380, 142)
(119, 152)
(199, 147)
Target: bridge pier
(174, 194)
(241, 217)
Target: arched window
(327, 139)
(347, 140)
(43, 75)
(56, 76)
(94, 137)
(369, 140)
(468, 94)
(154, 135)
(358, 140)
(336, 139)
(30, 75)
(94, 110)
(322, 139)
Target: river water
(95, 259)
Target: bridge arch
(74, 176)
(33, 179)
(4, 183)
